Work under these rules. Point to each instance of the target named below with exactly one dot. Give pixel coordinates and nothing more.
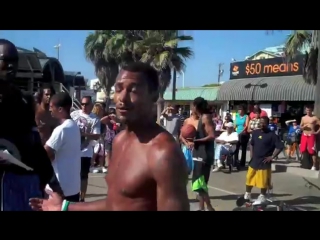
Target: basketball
(188, 131)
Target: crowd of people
(54, 148)
(146, 169)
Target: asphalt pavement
(225, 188)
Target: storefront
(276, 84)
(185, 97)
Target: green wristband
(65, 206)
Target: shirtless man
(310, 127)
(45, 122)
(147, 171)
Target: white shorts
(98, 149)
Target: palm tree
(124, 45)
(160, 49)
(298, 40)
(106, 66)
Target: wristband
(65, 205)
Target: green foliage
(108, 50)
(298, 40)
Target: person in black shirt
(265, 146)
(203, 152)
(19, 136)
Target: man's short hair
(149, 72)
(309, 106)
(201, 104)
(88, 97)
(62, 100)
(13, 54)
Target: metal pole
(182, 79)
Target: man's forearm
(205, 139)
(276, 153)
(251, 150)
(99, 205)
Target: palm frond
(297, 41)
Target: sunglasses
(85, 104)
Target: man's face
(229, 129)
(86, 105)
(308, 111)
(54, 110)
(132, 97)
(263, 124)
(8, 62)
(47, 94)
(294, 123)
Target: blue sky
(211, 47)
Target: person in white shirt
(225, 144)
(63, 147)
(89, 125)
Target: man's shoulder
(75, 113)
(163, 143)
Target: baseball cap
(229, 125)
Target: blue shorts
(18, 189)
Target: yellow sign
(258, 68)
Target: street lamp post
(74, 81)
(58, 49)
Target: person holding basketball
(203, 150)
(265, 145)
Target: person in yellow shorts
(265, 145)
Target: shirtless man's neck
(140, 126)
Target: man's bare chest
(46, 119)
(128, 174)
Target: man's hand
(190, 145)
(54, 203)
(268, 159)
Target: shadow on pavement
(96, 186)
(95, 195)
(297, 202)
(235, 197)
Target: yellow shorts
(259, 178)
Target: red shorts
(308, 143)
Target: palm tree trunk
(174, 85)
(317, 93)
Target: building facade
(275, 83)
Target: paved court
(225, 188)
